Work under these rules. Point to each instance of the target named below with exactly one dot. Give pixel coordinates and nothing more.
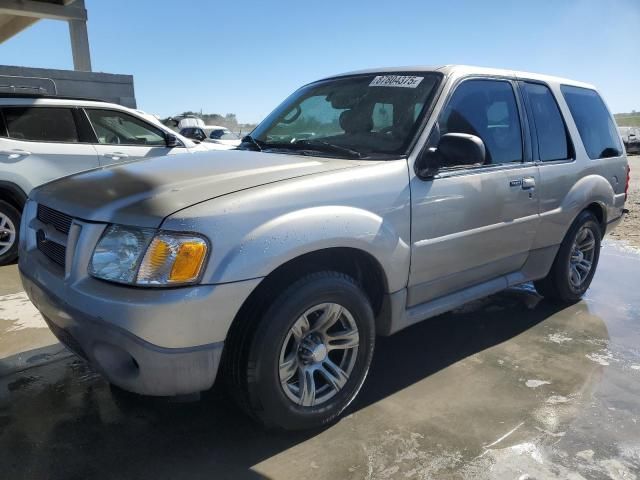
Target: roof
(463, 70)
(27, 100)
(47, 96)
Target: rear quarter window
(551, 133)
(42, 124)
(598, 133)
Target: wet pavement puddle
(505, 387)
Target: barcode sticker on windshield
(403, 81)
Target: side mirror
(171, 141)
(453, 150)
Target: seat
(355, 122)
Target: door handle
(528, 183)
(116, 155)
(13, 154)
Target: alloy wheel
(582, 255)
(7, 233)
(318, 354)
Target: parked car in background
(365, 203)
(630, 138)
(187, 122)
(212, 134)
(43, 138)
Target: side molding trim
(394, 316)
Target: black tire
(9, 211)
(253, 352)
(556, 286)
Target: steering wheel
(112, 139)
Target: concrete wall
(103, 86)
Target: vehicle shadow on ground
(76, 427)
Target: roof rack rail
(23, 84)
(45, 95)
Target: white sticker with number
(403, 81)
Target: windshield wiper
(252, 141)
(327, 146)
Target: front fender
(15, 189)
(290, 235)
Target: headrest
(356, 121)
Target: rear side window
(597, 130)
(42, 124)
(549, 126)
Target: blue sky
(222, 57)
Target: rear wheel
(9, 229)
(307, 356)
(575, 263)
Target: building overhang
(16, 15)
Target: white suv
(43, 138)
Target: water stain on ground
(506, 387)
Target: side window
(118, 128)
(486, 109)
(42, 124)
(549, 125)
(597, 130)
(417, 108)
(382, 116)
(3, 126)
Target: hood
(143, 193)
(223, 142)
(208, 146)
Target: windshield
(364, 116)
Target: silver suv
(365, 203)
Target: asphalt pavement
(506, 387)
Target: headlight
(171, 259)
(148, 257)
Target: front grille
(66, 338)
(59, 220)
(54, 251)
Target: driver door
(472, 224)
(123, 137)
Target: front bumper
(155, 341)
(124, 359)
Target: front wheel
(308, 355)
(9, 228)
(575, 263)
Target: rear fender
(586, 191)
